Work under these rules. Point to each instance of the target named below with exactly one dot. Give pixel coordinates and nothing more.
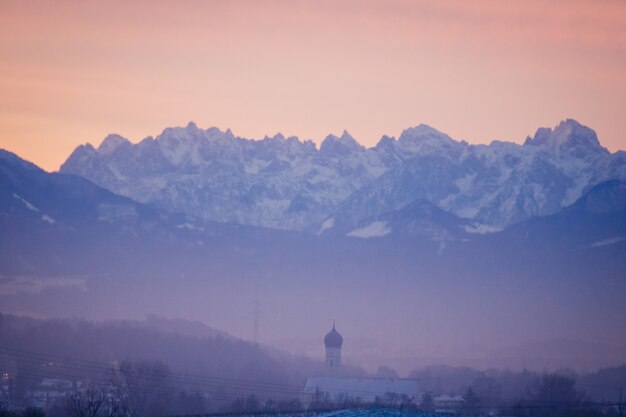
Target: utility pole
(256, 318)
(621, 401)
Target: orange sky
(72, 72)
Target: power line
(75, 368)
(183, 378)
(100, 366)
(256, 318)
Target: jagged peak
(385, 140)
(87, 147)
(424, 138)
(146, 140)
(289, 142)
(569, 135)
(84, 149)
(111, 143)
(277, 137)
(179, 132)
(424, 132)
(345, 136)
(340, 144)
(421, 130)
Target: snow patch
(48, 219)
(467, 212)
(33, 284)
(482, 229)
(189, 226)
(328, 224)
(255, 166)
(273, 205)
(574, 193)
(116, 173)
(445, 202)
(607, 242)
(465, 183)
(113, 212)
(374, 229)
(26, 203)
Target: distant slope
(56, 223)
(47, 219)
(222, 367)
(597, 219)
(103, 256)
(419, 219)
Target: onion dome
(333, 339)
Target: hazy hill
(444, 289)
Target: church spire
(333, 342)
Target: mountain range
(495, 244)
(289, 184)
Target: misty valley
(201, 273)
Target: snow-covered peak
(278, 137)
(146, 141)
(338, 146)
(189, 131)
(385, 141)
(421, 130)
(347, 137)
(569, 136)
(286, 183)
(111, 143)
(423, 138)
(81, 160)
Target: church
(334, 388)
(333, 342)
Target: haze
(285, 206)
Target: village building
(448, 403)
(333, 388)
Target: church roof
(333, 339)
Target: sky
(72, 72)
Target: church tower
(333, 342)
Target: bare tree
(140, 388)
(556, 395)
(471, 403)
(87, 403)
(6, 410)
(32, 412)
(428, 403)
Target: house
(448, 403)
(333, 390)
